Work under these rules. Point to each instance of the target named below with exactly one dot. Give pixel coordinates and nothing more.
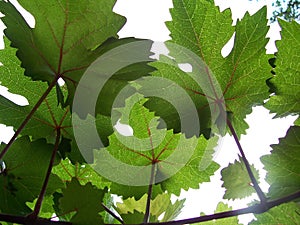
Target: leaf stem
(149, 196)
(258, 190)
(40, 199)
(28, 117)
(112, 213)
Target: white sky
(145, 19)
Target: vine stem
(40, 199)
(28, 117)
(257, 209)
(258, 190)
(112, 213)
(150, 188)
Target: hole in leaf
(228, 47)
(123, 129)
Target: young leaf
(283, 164)
(235, 83)
(26, 166)
(85, 201)
(283, 214)
(286, 100)
(222, 207)
(237, 181)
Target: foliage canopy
(42, 171)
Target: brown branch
(257, 209)
(25, 220)
(112, 213)
(149, 195)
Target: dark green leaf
(85, 201)
(26, 166)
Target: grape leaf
(286, 82)
(235, 83)
(283, 164)
(222, 207)
(46, 209)
(156, 145)
(84, 200)
(173, 210)
(66, 171)
(46, 118)
(64, 26)
(157, 207)
(237, 181)
(26, 166)
(283, 214)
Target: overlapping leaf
(237, 181)
(286, 82)
(156, 146)
(234, 83)
(283, 164)
(26, 166)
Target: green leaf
(73, 30)
(286, 100)
(152, 145)
(283, 164)
(237, 181)
(173, 210)
(84, 173)
(157, 207)
(47, 209)
(235, 83)
(26, 166)
(222, 207)
(283, 214)
(47, 116)
(84, 200)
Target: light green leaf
(237, 181)
(283, 164)
(173, 210)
